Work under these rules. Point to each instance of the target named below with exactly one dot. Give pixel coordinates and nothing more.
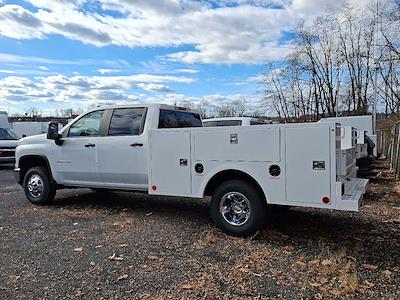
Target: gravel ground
(125, 245)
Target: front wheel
(238, 208)
(38, 186)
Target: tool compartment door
(307, 164)
(169, 163)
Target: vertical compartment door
(307, 164)
(170, 163)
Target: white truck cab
(164, 150)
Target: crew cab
(164, 150)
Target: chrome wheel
(235, 208)
(35, 185)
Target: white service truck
(164, 150)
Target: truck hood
(34, 139)
(8, 143)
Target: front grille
(7, 151)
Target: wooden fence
(391, 147)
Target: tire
(243, 218)
(36, 179)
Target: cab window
(222, 123)
(88, 125)
(127, 121)
(178, 119)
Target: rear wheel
(238, 208)
(38, 186)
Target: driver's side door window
(88, 125)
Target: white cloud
(12, 58)
(155, 87)
(107, 71)
(7, 71)
(19, 23)
(44, 68)
(240, 31)
(187, 71)
(83, 89)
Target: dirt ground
(113, 245)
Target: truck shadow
(115, 202)
(364, 237)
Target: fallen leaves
(115, 257)
(369, 266)
(122, 277)
(368, 284)
(153, 257)
(188, 286)
(386, 272)
(123, 223)
(288, 249)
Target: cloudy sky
(61, 54)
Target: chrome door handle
(89, 145)
(136, 145)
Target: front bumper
(17, 175)
(7, 159)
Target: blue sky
(79, 53)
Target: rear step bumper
(354, 190)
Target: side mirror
(52, 133)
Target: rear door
(122, 151)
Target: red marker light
(325, 200)
(154, 187)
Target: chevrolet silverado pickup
(164, 150)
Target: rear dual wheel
(238, 208)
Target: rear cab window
(178, 119)
(127, 121)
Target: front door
(76, 161)
(122, 151)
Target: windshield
(7, 134)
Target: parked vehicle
(234, 121)
(359, 131)
(8, 140)
(164, 150)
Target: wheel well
(226, 175)
(30, 161)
